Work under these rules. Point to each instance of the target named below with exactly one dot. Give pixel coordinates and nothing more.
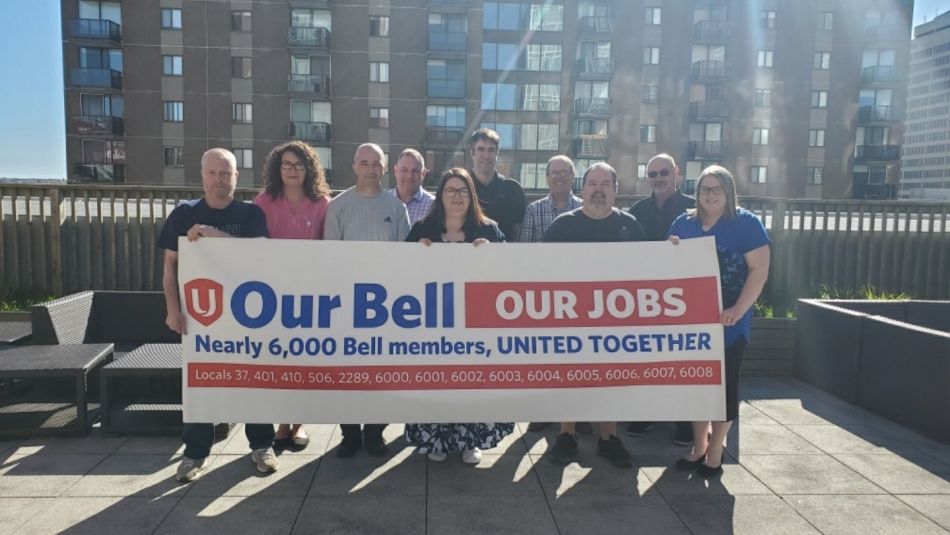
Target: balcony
(595, 25)
(707, 109)
(94, 29)
(444, 136)
(445, 88)
(591, 146)
(108, 78)
(597, 107)
(711, 32)
(308, 131)
(880, 74)
(880, 114)
(99, 172)
(101, 125)
(877, 153)
(705, 150)
(594, 68)
(452, 41)
(313, 84)
(307, 36)
(708, 68)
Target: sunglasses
(661, 172)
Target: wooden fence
(65, 238)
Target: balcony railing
(879, 114)
(592, 106)
(444, 135)
(457, 41)
(591, 146)
(711, 31)
(309, 131)
(318, 84)
(707, 109)
(94, 29)
(446, 88)
(705, 149)
(591, 24)
(96, 78)
(877, 153)
(308, 36)
(99, 172)
(595, 66)
(709, 68)
(103, 125)
(880, 74)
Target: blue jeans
(199, 437)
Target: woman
(456, 217)
(743, 248)
(294, 200)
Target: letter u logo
(204, 299)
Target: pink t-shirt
(303, 223)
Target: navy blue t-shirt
(239, 219)
(734, 238)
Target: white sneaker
(472, 456)
(191, 469)
(438, 457)
(266, 460)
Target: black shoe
(535, 427)
(683, 435)
(688, 466)
(348, 448)
(614, 451)
(709, 472)
(565, 449)
(638, 429)
(584, 428)
(376, 447)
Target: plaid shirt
(540, 214)
(418, 206)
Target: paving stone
(478, 515)
(792, 411)
(15, 512)
(43, 475)
(392, 435)
(807, 474)
(357, 514)
(755, 515)
(586, 514)
(236, 475)
(201, 515)
(496, 475)
(898, 474)
(771, 439)
(157, 445)
(834, 439)
(92, 444)
(98, 515)
(748, 414)
(592, 475)
(130, 475)
(735, 480)
(936, 508)
(860, 515)
(403, 473)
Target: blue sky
(32, 124)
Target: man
(656, 213)
(216, 215)
(366, 213)
(501, 198)
(596, 221)
(410, 170)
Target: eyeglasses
(718, 190)
(287, 166)
(457, 192)
(561, 174)
(661, 172)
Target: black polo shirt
(656, 221)
(576, 226)
(502, 200)
(239, 219)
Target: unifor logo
(204, 299)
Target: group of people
(476, 207)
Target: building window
(241, 112)
(653, 17)
(650, 94)
(763, 97)
(537, 136)
(244, 157)
(379, 26)
(445, 78)
(767, 18)
(507, 133)
(171, 65)
(760, 136)
(816, 138)
(445, 116)
(310, 18)
(379, 72)
(517, 16)
(543, 58)
(814, 175)
(759, 174)
(174, 111)
(819, 99)
(641, 172)
(647, 133)
(521, 97)
(240, 21)
(171, 19)
(822, 61)
(765, 58)
(651, 55)
(173, 156)
(101, 105)
(532, 176)
(379, 117)
(241, 67)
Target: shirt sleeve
(256, 223)
(529, 229)
(332, 229)
(554, 234)
(168, 238)
(753, 231)
(678, 226)
(521, 204)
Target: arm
(529, 230)
(332, 230)
(758, 261)
(173, 318)
(402, 222)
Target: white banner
(370, 332)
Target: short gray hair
(558, 158)
(373, 146)
(224, 154)
(663, 156)
(601, 165)
(414, 153)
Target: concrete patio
(800, 461)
